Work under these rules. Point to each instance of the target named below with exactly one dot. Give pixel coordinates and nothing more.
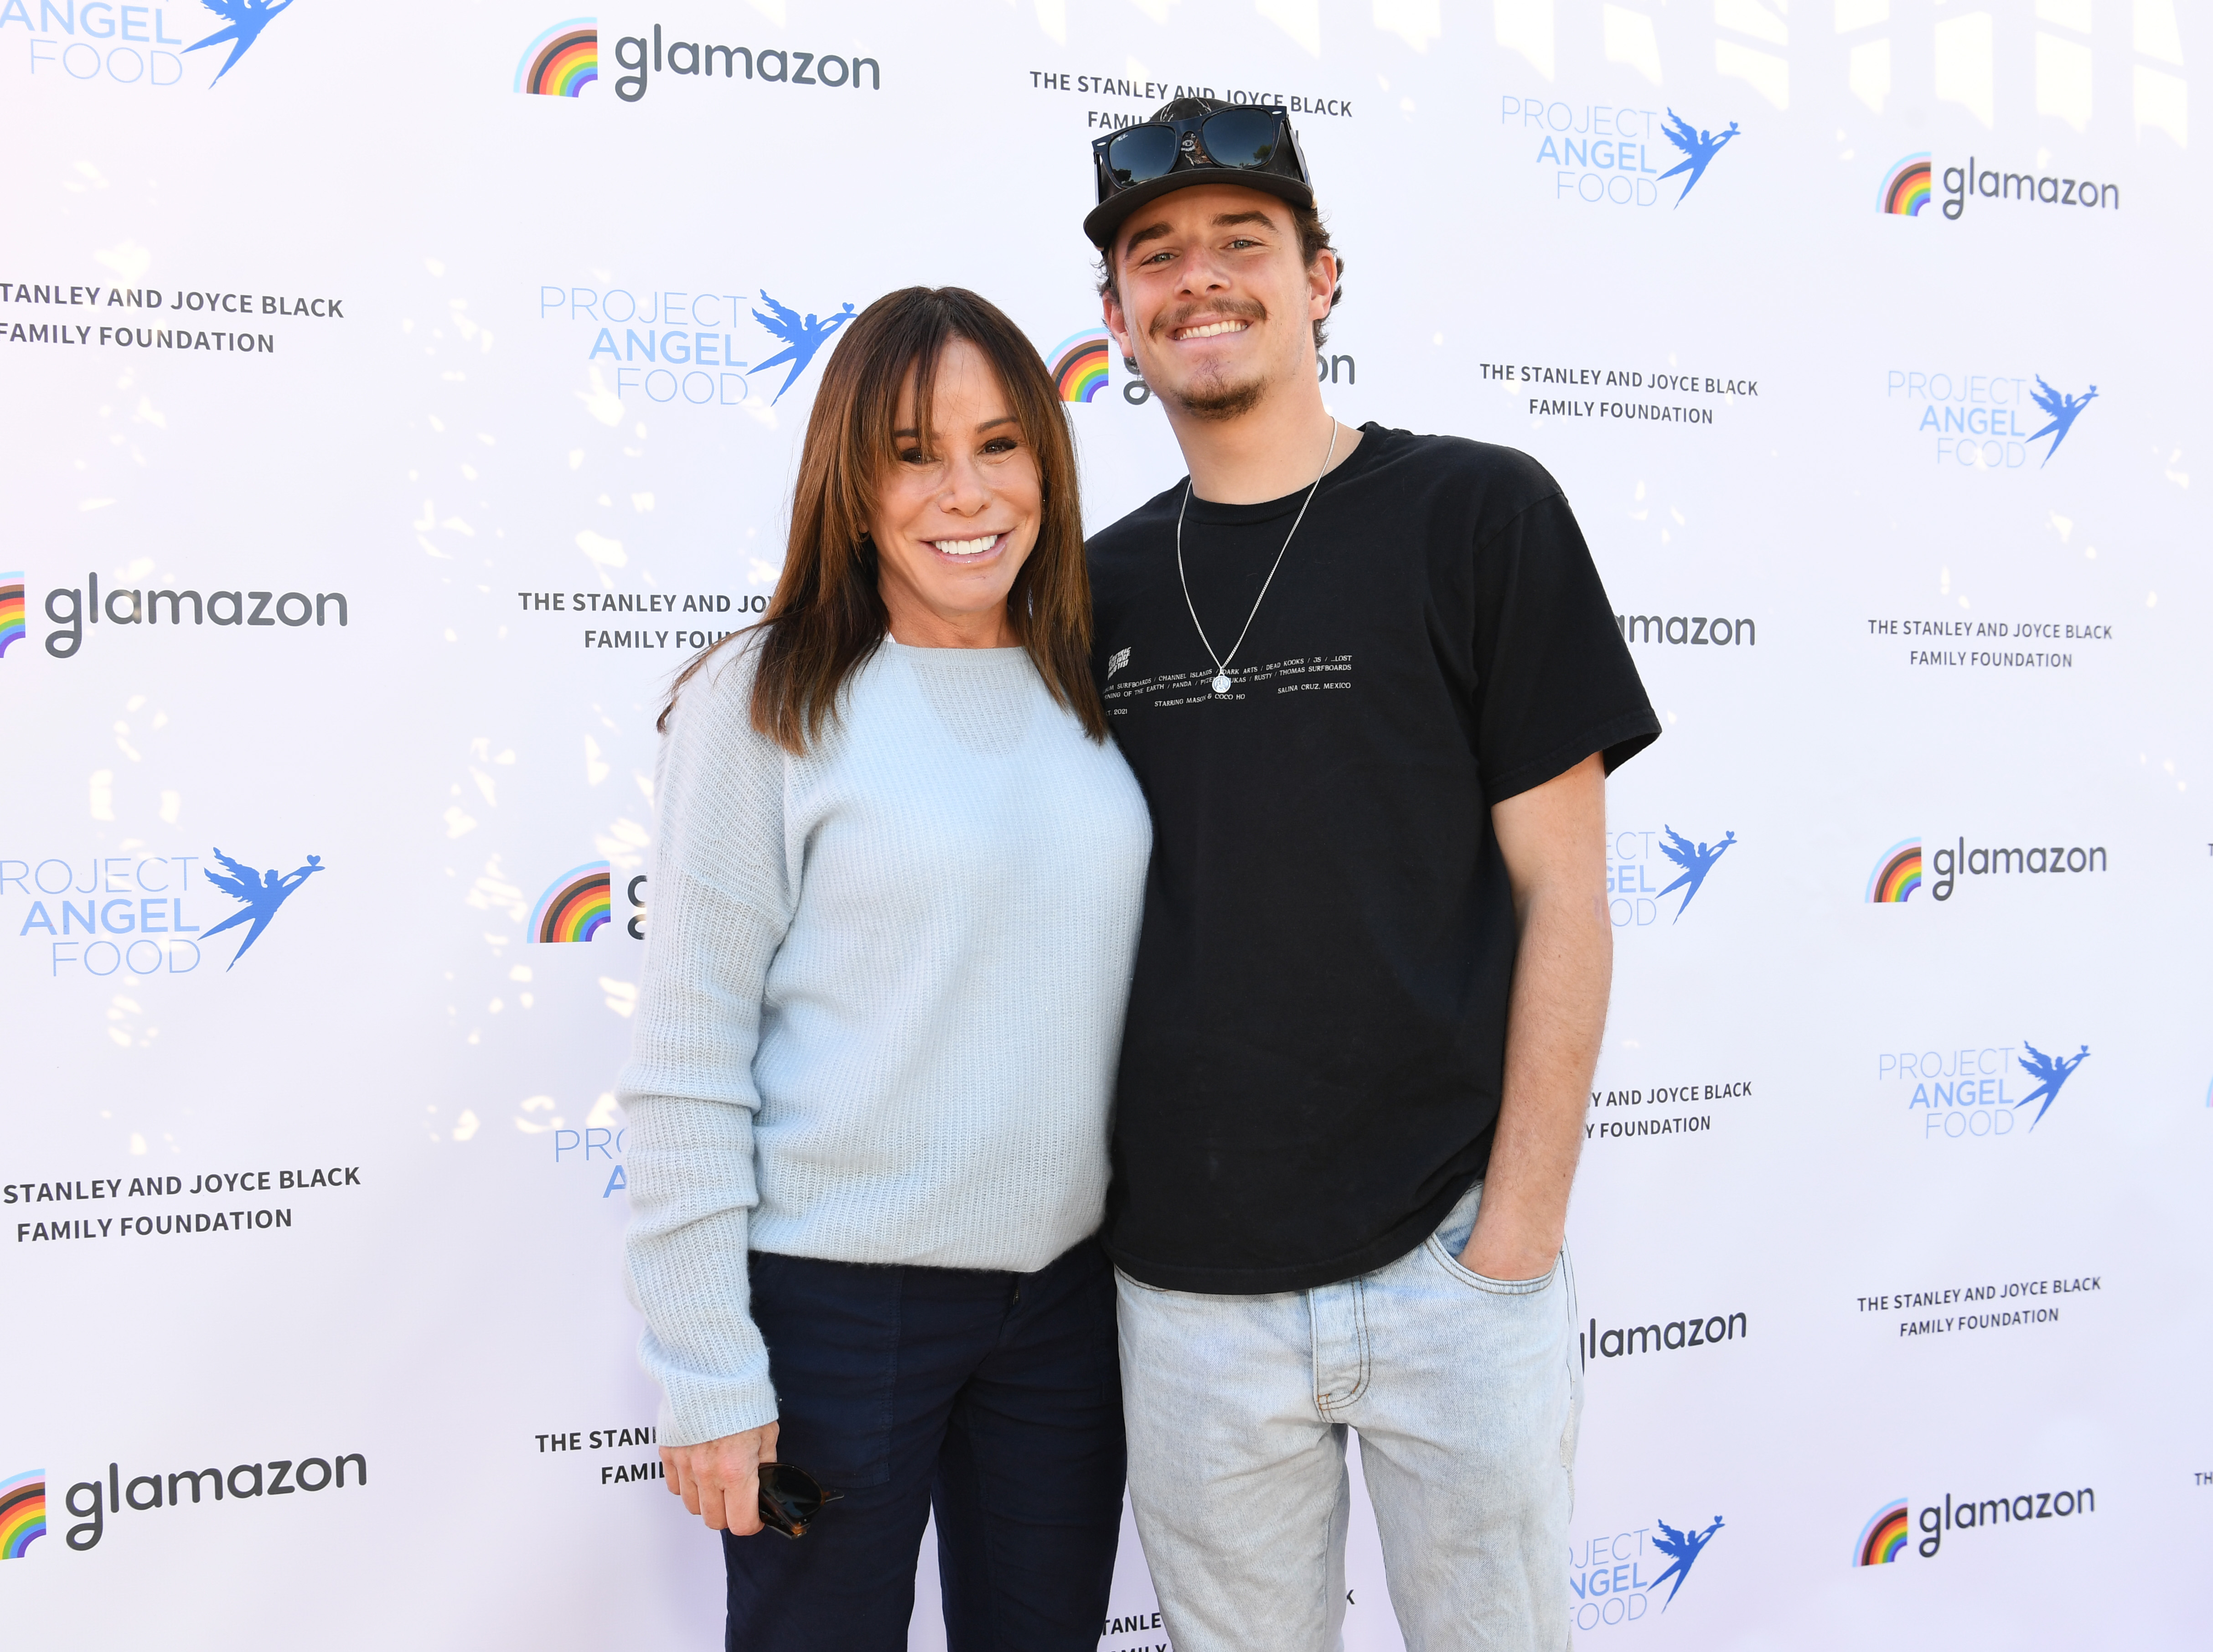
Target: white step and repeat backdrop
(395, 395)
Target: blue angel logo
(2050, 1074)
(262, 898)
(1696, 860)
(802, 337)
(1682, 1548)
(2065, 410)
(1698, 149)
(247, 18)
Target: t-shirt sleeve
(1554, 681)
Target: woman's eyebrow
(1003, 418)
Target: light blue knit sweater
(882, 998)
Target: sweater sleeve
(720, 906)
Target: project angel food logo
(1978, 1091)
(607, 1141)
(133, 45)
(1609, 1573)
(141, 915)
(1638, 865)
(1604, 154)
(1889, 1532)
(678, 346)
(1985, 421)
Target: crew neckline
(923, 647)
(1221, 515)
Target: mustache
(1219, 309)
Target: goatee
(1218, 402)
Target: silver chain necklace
(1221, 683)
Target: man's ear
(1109, 309)
(1322, 282)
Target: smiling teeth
(966, 547)
(1212, 328)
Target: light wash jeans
(1466, 1392)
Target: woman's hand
(720, 1479)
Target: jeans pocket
(1467, 1275)
(833, 1331)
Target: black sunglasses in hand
(791, 1498)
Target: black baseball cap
(1279, 170)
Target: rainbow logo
(22, 1513)
(563, 61)
(1906, 191)
(576, 904)
(1898, 874)
(1885, 1538)
(1079, 364)
(11, 611)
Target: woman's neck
(916, 625)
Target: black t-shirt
(1311, 1067)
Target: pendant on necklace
(1222, 683)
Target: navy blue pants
(994, 1398)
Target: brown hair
(1313, 241)
(827, 617)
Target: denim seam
(1361, 1369)
(1314, 1357)
(1331, 1538)
(1575, 1378)
(1329, 1405)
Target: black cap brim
(1105, 219)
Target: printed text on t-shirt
(1304, 672)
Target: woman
(895, 907)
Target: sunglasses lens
(793, 1491)
(1140, 154)
(1240, 138)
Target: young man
(1372, 687)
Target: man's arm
(1553, 838)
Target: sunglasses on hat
(1251, 143)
